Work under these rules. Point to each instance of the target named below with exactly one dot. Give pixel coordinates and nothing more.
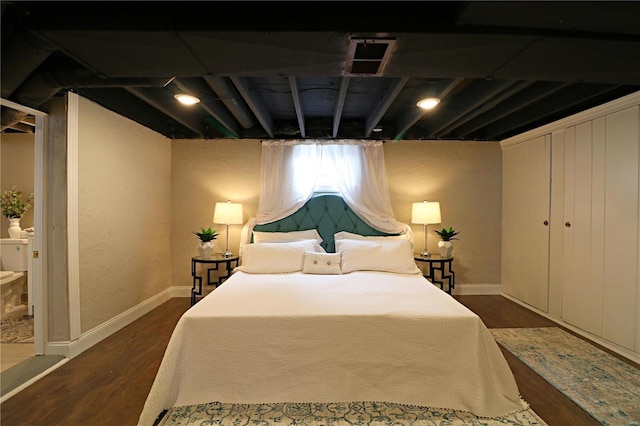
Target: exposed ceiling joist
(476, 97)
(408, 120)
(571, 96)
(212, 106)
(295, 94)
(231, 99)
(337, 114)
(252, 97)
(488, 105)
(510, 106)
(383, 106)
(170, 109)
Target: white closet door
(526, 198)
(556, 224)
(510, 180)
(621, 228)
(583, 226)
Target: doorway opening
(22, 145)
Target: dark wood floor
(108, 384)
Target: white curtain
(290, 170)
(362, 181)
(289, 173)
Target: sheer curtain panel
(290, 170)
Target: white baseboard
(86, 340)
(477, 289)
(183, 291)
(633, 356)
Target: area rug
(604, 386)
(333, 414)
(16, 330)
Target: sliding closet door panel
(621, 228)
(598, 175)
(586, 290)
(569, 285)
(538, 186)
(509, 219)
(526, 188)
(521, 241)
(515, 232)
(556, 227)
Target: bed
(374, 329)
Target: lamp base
(425, 254)
(228, 253)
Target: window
(327, 181)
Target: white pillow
(321, 263)
(283, 237)
(387, 256)
(276, 258)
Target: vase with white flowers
(13, 208)
(206, 237)
(446, 236)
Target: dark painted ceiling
(341, 69)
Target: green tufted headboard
(326, 213)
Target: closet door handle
(545, 223)
(567, 224)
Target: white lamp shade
(426, 213)
(228, 213)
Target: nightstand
(441, 265)
(213, 263)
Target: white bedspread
(363, 336)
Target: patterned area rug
(333, 414)
(16, 330)
(604, 386)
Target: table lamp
(228, 214)
(425, 213)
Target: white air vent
(368, 56)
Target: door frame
(39, 254)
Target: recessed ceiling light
(428, 103)
(186, 99)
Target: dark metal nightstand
(213, 264)
(445, 275)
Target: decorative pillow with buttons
(321, 263)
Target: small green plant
(206, 235)
(447, 234)
(13, 207)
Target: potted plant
(446, 236)
(13, 208)
(206, 237)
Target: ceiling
(323, 70)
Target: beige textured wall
(16, 156)
(124, 214)
(464, 176)
(205, 172)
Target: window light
(326, 181)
